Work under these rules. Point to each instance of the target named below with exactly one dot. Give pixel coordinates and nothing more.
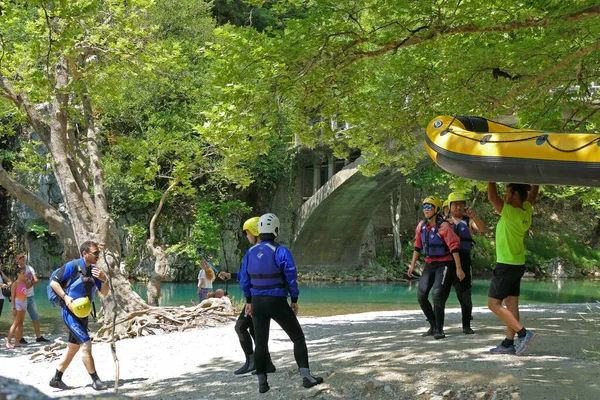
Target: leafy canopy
(365, 73)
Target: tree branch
(546, 73)
(50, 41)
(33, 116)
(432, 32)
(56, 222)
(152, 237)
(585, 119)
(96, 169)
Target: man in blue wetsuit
(76, 279)
(268, 274)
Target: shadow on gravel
(386, 357)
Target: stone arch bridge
(331, 224)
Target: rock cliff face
(560, 268)
(28, 231)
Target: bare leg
(72, 349)
(512, 304)
(18, 331)
(86, 357)
(505, 314)
(11, 332)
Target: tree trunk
(161, 266)
(396, 214)
(89, 217)
(161, 262)
(595, 237)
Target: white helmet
(269, 223)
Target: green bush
(483, 256)
(387, 259)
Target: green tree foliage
(56, 59)
(385, 67)
(152, 143)
(240, 13)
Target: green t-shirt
(510, 231)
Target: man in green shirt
(515, 219)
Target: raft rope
(543, 136)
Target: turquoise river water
(327, 298)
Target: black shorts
(73, 338)
(506, 281)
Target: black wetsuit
(439, 277)
(268, 274)
(464, 289)
(244, 329)
(265, 308)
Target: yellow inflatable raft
(479, 149)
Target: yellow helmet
(446, 203)
(251, 225)
(435, 201)
(81, 307)
(456, 196)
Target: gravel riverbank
(377, 355)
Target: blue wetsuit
(80, 286)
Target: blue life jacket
(52, 295)
(463, 231)
(433, 244)
(268, 269)
(263, 272)
(85, 285)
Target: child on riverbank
(205, 281)
(19, 307)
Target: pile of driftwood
(159, 320)
(49, 352)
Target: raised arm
(5, 278)
(476, 224)
(493, 197)
(533, 193)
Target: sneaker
(503, 350)
(23, 341)
(525, 342)
(99, 385)
(41, 339)
(59, 384)
(308, 383)
(468, 331)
